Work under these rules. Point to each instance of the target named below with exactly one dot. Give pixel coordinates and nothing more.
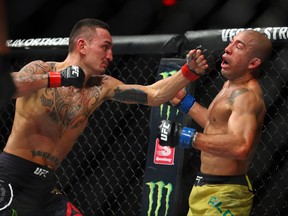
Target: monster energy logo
(161, 188)
(168, 111)
(14, 213)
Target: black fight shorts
(28, 189)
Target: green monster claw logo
(14, 213)
(11, 212)
(161, 187)
(165, 75)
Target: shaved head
(260, 43)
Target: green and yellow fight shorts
(221, 196)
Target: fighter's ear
(254, 63)
(81, 45)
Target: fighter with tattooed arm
(54, 101)
(232, 128)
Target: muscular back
(48, 121)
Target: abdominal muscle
(39, 150)
(219, 165)
(41, 143)
(213, 165)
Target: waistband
(16, 165)
(202, 179)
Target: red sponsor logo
(163, 154)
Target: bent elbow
(243, 153)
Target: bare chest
(220, 110)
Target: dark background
(55, 18)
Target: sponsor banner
(38, 42)
(213, 39)
(217, 39)
(163, 172)
(277, 34)
(163, 154)
(273, 33)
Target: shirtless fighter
(54, 101)
(232, 129)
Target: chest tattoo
(69, 107)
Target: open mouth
(224, 62)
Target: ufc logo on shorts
(165, 130)
(41, 172)
(199, 178)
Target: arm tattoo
(130, 95)
(235, 94)
(29, 72)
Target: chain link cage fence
(103, 174)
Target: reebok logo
(41, 172)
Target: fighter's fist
(70, 76)
(172, 134)
(198, 62)
(169, 133)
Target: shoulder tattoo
(236, 93)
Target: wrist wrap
(187, 137)
(188, 73)
(186, 103)
(54, 79)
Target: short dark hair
(85, 26)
